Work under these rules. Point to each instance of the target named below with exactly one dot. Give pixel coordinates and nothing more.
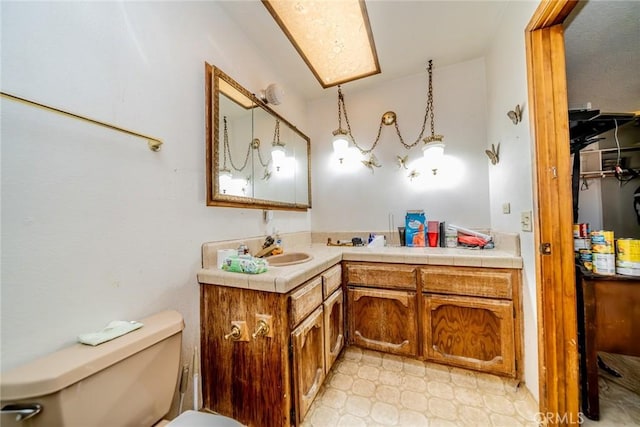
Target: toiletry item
(113, 330)
(243, 249)
(223, 254)
(403, 239)
(245, 264)
(377, 242)
(483, 236)
(415, 222)
(442, 238)
(432, 233)
(451, 238)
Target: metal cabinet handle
(234, 334)
(22, 411)
(263, 329)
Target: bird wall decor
(515, 115)
(402, 161)
(371, 162)
(494, 154)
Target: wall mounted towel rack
(153, 143)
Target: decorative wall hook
(515, 115)
(494, 154)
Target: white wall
(353, 198)
(96, 227)
(511, 179)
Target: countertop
(286, 278)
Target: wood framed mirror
(242, 134)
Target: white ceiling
(406, 33)
(601, 36)
(602, 42)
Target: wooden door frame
(555, 271)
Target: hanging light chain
(430, 96)
(428, 113)
(227, 151)
(276, 134)
(433, 136)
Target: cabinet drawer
(304, 300)
(331, 280)
(481, 282)
(390, 276)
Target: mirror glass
(255, 158)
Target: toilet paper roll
(224, 254)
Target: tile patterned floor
(367, 388)
(618, 406)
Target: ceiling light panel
(333, 37)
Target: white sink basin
(289, 258)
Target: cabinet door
(383, 320)
(308, 361)
(333, 328)
(476, 333)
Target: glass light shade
(340, 145)
(278, 156)
(225, 179)
(277, 153)
(433, 151)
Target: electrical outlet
(506, 208)
(526, 221)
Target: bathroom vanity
(269, 340)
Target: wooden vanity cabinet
(382, 307)
(270, 380)
(469, 318)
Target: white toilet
(129, 381)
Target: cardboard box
(415, 230)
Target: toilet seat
(202, 419)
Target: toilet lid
(202, 419)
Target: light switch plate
(526, 221)
(506, 208)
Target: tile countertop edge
(284, 279)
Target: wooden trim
(550, 13)
(556, 292)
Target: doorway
(556, 293)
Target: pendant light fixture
(433, 149)
(277, 148)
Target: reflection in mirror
(255, 158)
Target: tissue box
(415, 228)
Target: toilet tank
(128, 381)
